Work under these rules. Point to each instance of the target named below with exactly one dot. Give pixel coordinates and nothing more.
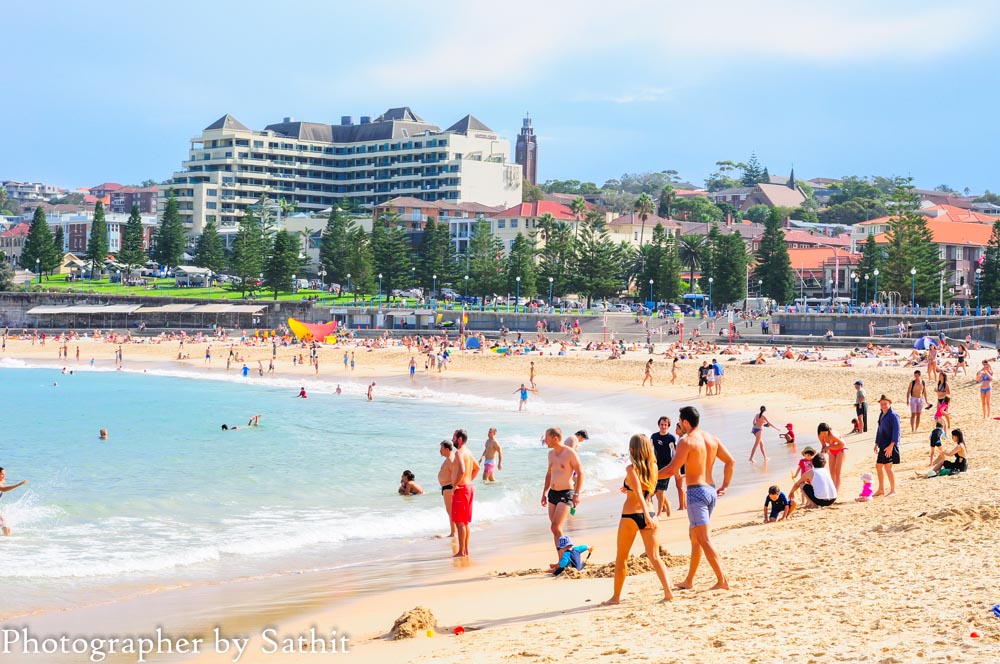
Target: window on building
(211, 192)
(211, 205)
(501, 223)
(513, 223)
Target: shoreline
(371, 618)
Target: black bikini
(638, 517)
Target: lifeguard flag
(465, 317)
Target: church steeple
(791, 179)
(526, 151)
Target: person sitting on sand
(4, 489)
(408, 485)
(942, 466)
(856, 426)
(789, 436)
(866, 489)
(817, 484)
(777, 507)
(570, 555)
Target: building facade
(526, 152)
(460, 217)
(315, 166)
(23, 192)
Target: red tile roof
(951, 232)
(107, 186)
(805, 237)
(815, 258)
(20, 230)
(942, 213)
(537, 209)
(632, 219)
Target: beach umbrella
(924, 343)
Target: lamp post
(913, 287)
(348, 282)
(322, 279)
(650, 290)
(876, 283)
(550, 291)
(261, 285)
(413, 276)
(830, 283)
(760, 288)
(866, 288)
(466, 287)
(517, 294)
(38, 270)
(711, 280)
(979, 282)
(854, 283)
(434, 290)
(293, 284)
(941, 293)
(379, 290)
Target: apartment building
(77, 226)
(460, 217)
(31, 191)
(315, 166)
(120, 198)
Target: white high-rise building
(317, 166)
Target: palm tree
(667, 196)
(644, 207)
(689, 250)
(578, 207)
(545, 224)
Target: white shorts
(916, 405)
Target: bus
(696, 301)
(821, 302)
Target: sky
(114, 91)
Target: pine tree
(59, 241)
(709, 260)
(774, 267)
(169, 247)
(910, 247)
(282, 263)
(39, 251)
(392, 252)
(434, 256)
(359, 262)
(249, 250)
(97, 245)
(598, 272)
(669, 278)
(555, 257)
(6, 273)
(132, 256)
(753, 172)
(485, 260)
(335, 246)
(871, 258)
(989, 281)
(210, 252)
(521, 263)
(730, 270)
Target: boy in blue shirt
(777, 507)
(570, 555)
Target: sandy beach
(901, 579)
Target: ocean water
(170, 500)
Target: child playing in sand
(866, 490)
(789, 436)
(943, 414)
(855, 426)
(776, 506)
(805, 464)
(571, 555)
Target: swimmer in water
(3, 490)
(103, 434)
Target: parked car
(448, 294)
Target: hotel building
(315, 166)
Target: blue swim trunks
(701, 500)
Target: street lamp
(913, 287)
(550, 291)
(348, 282)
(293, 284)
(466, 287)
(941, 293)
(760, 288)
(434, 290)
(711, 280)
(38, 270)
(517, 294)
(979, 282)
(380, 290)
(853, 282)
(322, 279)
(876, 283)
(866, 288)
(650, 290)
(857, 286)
(830, 283)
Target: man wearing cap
(886, 446)
(860, 405)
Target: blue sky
(112, 91)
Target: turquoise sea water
(172, 501)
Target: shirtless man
(371, 390)
(463, 473)
(3, 490)
(563, 482)
(492, 457)
(697, 451)
(444, 479)
(577, 438)
(916, 396)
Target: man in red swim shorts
(465, 470)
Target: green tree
(283, 262)
(485, 260)
(131, 256)
(598, 270)
(758, 214)
(59, 242)
(667, 196)
(360, 264)
(6, 273)
(698, 208)
(249, 250)
(210, 251)
(531, 193)
(871, 258)
(436, 255)
(852, 187)
(391, 251)
(169, 246)
(644, 207)
(690, 249)
(805, 214)
(853, 211)
(710, 258)
(910, 246)
(39, 251)
(521, 263)
(990, 279)
(659, 263)
(579, 208)
(335, 246)
(753, 172)
(556, 259)
(773, 266)
(730, 270)
(97, 244)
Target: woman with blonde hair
(638, 515)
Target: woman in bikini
(638, 516)
(943, 388)
(649, 374)
(673, 371)
(985, 380)
(759, 422)
(834, 445)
